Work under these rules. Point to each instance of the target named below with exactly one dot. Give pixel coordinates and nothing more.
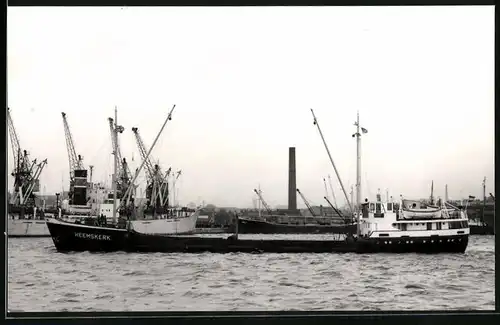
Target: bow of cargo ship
(77, 237)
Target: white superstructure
(180, 222)
(397, 220)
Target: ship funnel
(292, 181)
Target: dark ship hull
(248, 226)
(73, 237)
(77, 237)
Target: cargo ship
(381, 227)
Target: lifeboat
(413, 210)
(428, 213)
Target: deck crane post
(77, 172)
(123, 171)
(331, 160)
(264, 203)
(326, 189)
(333, 192)
(309, 207)
(335, 209)
(131, 188)
(174, 189)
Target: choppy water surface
(41, 279)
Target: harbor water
(41, 279)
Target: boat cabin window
(389, 206)
(372, 207)
(429, 226)
(438, 225)
(378, 208)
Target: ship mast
(432, 193)
(358, 169)
(115, 163)
(484, 199)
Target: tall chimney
(292, 183)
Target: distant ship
(315, 220)
(290, 224)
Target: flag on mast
(364, 130)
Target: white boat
(399, 228)
(386, 222)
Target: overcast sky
(244, 80)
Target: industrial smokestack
(292, 182)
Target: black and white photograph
(250, 158)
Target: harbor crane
(78, 183)
(157, 184)
(125, 203)
(309, 207)
(264, 203)
(26, 173)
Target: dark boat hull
(74, 237)
(436, 244)
(71, 237)
(246, 226)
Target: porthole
(459, 239)
(407, 242)
(424, 241)
(385, 242)
(411, 241)
(440, 241)
(452, 239)
(390, 242)
(432, 241)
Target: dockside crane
(124, 205)
(26, 173)
(309, 207)
(156, 189)
(264, 203)
(78, 183)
